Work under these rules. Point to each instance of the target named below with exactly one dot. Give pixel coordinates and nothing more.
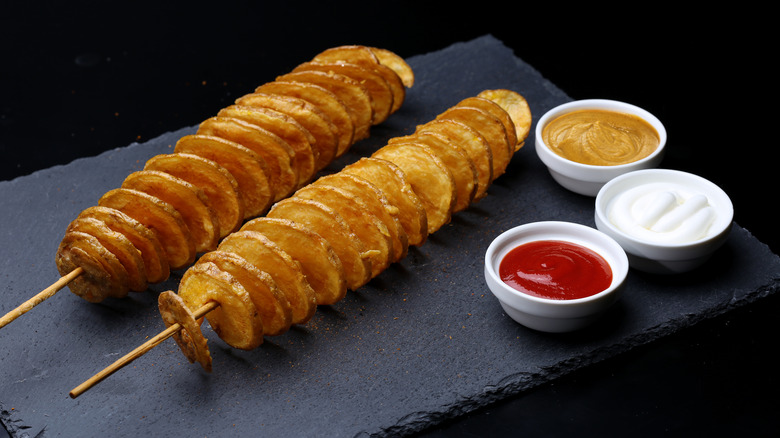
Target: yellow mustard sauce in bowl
(601, 137)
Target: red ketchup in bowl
(555, 270)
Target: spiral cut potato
(253, 153)
(343, 229)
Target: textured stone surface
(422, 342)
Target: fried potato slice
(517, 108)
(319, 262)
(354, 95)
(375, 83)
(365, 57)
(117, 244)
(376, 201)
(103, 274)
(190, 201)
(161, 217)
(236, 321)
(189, 338)
(490, 128)
(286, 272)
(390, 179)
(278, 155)
(457, 161)
(271, 303)
(307, 114)
(361, 55)
(395, 83)
(324, 221)
(363, 222)
(334, 112)
(475, 145)
(429, 178)
(216, 182)
(329, 105)
(286, 128)
(246, 166)
(501, 114)
(143, 238)
(396, 63)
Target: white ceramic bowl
(551, 315)
(664, 255)
(587, 179)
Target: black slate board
(423, 342)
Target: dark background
(79, 78)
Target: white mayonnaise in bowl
(667, 221)
(603, 143)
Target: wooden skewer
(41, 297)
(138, 352)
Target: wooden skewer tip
(40, 297)
(138, 352)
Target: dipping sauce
(555, 270)
(663, 212)
(601, 137)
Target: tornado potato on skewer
(263, 149)
(271, 142)
(231, 287)
(342, 211)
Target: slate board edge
(516, 384)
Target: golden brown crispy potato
(329, 106)
(375, 83)
(365, 57)
(376, 202)
(217, 183)
(103, 274)
(160, 216)
(473, 143)
(278, 155)
(117, 244)
(428, 176)
(246, 166)
(324, 221)
(517, 108)
(363, 222)
(390, 179)
(496, 110)
(271, 303)
(361, 55)
(189, 337)
(395, 83)
(267, 256)
(307, 114)
(187, 199)
(143, 238)
(354, 95)
(288, 129)
(457, 161)
(490, 128)
(396, 63)
(319, 262)
(236, 321)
